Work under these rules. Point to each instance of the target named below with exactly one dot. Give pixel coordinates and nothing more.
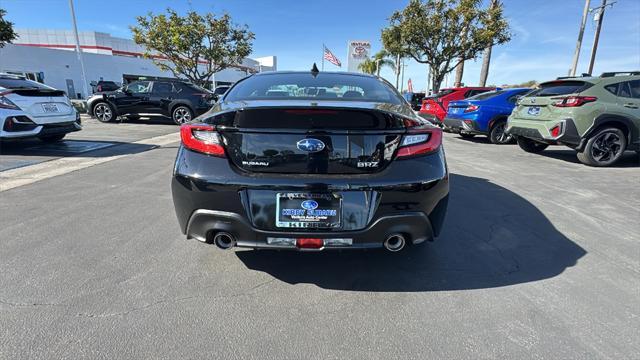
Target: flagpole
(323, 47)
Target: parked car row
(598, 116)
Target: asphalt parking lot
(539, 258)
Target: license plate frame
(291, 214)
(50, 107)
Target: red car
(434, 108)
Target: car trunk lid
(312, 140)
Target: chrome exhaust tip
(224, 240)
(395, 242)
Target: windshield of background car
(560, 88)
(486, 95)
(306, 86)
(9, 83)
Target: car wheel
(530, 146)
(52, 138)
(498, 134)
(466, 135)
(181, 114)
(103, 112)
(604, 148)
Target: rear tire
(104, 112)
(466, 135)
(498, 136)
(531, 146)
(604, 148)
(181, 114)
(52, 138)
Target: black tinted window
(291, 86)
(560, 88)
(634, 88)
(9, 83)
(162, 87)
(613, 88)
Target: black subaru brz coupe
(311, 161)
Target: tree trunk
(436, 79)
(397, 71)
(484, 72)
(459, 72)
(486, 58)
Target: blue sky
(542, 47)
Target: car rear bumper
(211, 196)
(461, 125)
(63, 125)
(541, 131)
(430, 118)
(416, 227)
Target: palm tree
(373, 65)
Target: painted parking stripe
(13, 178)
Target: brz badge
(367, 164)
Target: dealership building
(49, 56)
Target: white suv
(30, 109)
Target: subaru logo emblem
(310, 145)
(309, 205)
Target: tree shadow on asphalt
(492, 237)
(629, 158)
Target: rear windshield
(306, 86)
(560, 88)
(486, 95)
(442, 93)
(9, 83)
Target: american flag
(328, 55)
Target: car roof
(270, 73)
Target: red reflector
(201, 138)
(469, 122)
(555, 131)
(309, 243)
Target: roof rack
(616, 73)
(572, 77)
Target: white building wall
(60, 65)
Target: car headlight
(6, 103)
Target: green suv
(599, 117)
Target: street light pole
(594, 49)
(576, 54)
(78, 51)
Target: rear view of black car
(311, 161)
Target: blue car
(484, 114)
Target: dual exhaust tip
(226, 241)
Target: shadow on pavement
(82, 148)
(492, 238)
(629, 159)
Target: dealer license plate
(304, 210)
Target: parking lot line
(30, 174)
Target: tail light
(6, 103)
(309, 243)
(420, 142)
(202, 138)
(573, 101)
(471, 108)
